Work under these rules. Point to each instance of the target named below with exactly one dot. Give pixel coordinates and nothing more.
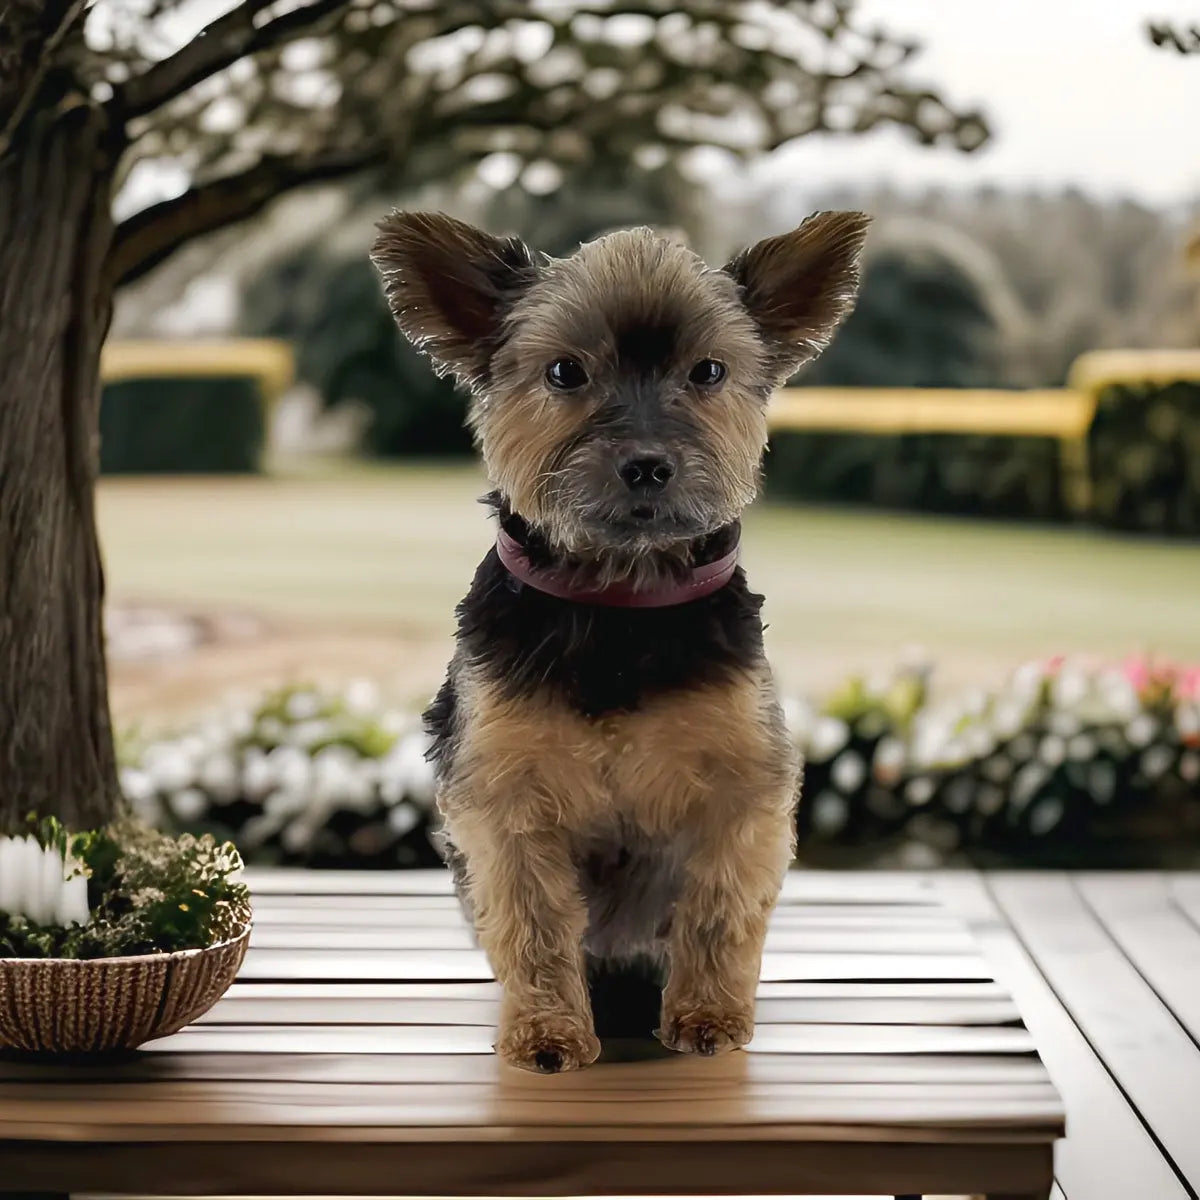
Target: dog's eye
(707, 373)
(565, 375)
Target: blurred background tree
(265, 97)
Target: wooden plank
(619, 1074)
(809, 887)
(1108, 1153)
(1164, 946)
(511, 1168)
(815, 918)
(1140, 1042)
(404, 936)
(159, 1111)
(471, 965)
(246, 1008)
(477, 1039)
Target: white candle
(34, 884)
(9, 884)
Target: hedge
(1144, 458)
(1063, 764)
(214, 425)
(976, 475)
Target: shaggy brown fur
(617, 786)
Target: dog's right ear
(449, 286)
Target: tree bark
(56, 744)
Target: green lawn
(391, 549)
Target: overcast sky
(1074, 91)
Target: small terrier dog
(616, 784)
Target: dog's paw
(705, 1030)
(548, 1045)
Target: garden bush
(1064, 764)
(1144, 458)
(971, 475)
(211, 425)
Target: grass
(388, 551)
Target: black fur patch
(598, 660)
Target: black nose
(647, 474)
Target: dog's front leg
(530, 917)
(733, 877)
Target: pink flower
(1055, 664)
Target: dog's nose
(647, 474)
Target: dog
(616, 785)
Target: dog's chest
(655, 768)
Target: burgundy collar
(701, 581)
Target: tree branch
(1183, 41)
(219, 45)
(51, 40)
(150, 236)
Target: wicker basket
(87, 1006)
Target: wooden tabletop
(354, 1057)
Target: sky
(1075, 93)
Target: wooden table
(354, 1057)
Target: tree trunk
(56, 745)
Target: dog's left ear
(450, 286)
(799, 286)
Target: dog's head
(619, 395)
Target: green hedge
(1144, 452)
(974, 475)
(211, 425)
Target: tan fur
(713, 766)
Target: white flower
(307, 733)
(218, 776)
(405, 774)
(361, 696)
(41, 885)
(1189, 766)
(1141, 730)
(258, 776)
(1101, 782)
(829, 813)
(1046, 815)
(1069, 687)
(337, 779)
(1156, 761)
(169, 766)
(1082, 748)
(920, 791)
(303, 706)
(1052, 751)
(189, 804)
(848, 772)
(889, 760)
(290, 767)
(137, 786)
(829, 735)
(1007, 718)
(403, 818)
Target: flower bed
(1066, 762)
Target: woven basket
(87, 1006)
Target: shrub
(1062, 762)
(212, 425)
(972, 475)
(1144, 458)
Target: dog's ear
(450, 285)
(799, 286)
